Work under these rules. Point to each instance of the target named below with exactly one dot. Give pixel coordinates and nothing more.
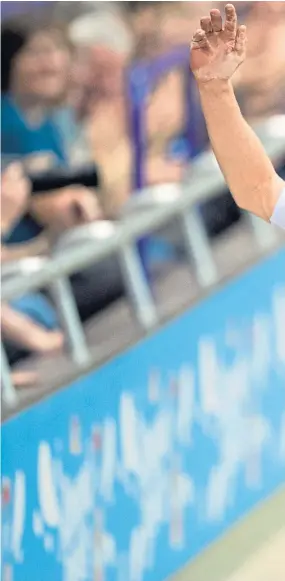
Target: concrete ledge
(230, 552)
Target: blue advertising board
(134, 469)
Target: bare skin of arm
(22, 331)
(36, 247)
(15, 191)
(66, 208)
(57, 211)
(217, 50)
(22, 379)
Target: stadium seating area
(85, 123)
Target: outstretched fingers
(216, 20)
(206, 24)
(200, 41)
(241, 39)
(230, 28)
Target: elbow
(261, 201)
(253, 204)
(271, 196)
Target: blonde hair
(104, 28)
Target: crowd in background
(64, 102)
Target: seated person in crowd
(36, 65)
(28, 324)
(260, 82)
(35, 74)
(106, 44)
(177, 21)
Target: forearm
(36, 247)
(247, 169)
(14, 326)
(43, 207)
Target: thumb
(87, 207)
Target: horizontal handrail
(200, 187)
(90, 244)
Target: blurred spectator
(159, 26)
(35, 69)
(179, 20)
(23, 379)
(103, 105)
(36, 122)
(103, 46)
(15, 192)
(19, 329)
(260, 82)
(144, 20)
(29, 324)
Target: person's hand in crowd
(218, 49)
(66, 208)
(15, 190)
(15, 200)
(159, 170)
(22, 379)
(21, 330)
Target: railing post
(8, 391)
(265, 234)
(65, 302)
(198, 247)
(137, 286)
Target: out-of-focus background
(130, 278)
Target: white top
(278, 216)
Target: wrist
(214, 86)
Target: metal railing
(153, 208)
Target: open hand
(218, 49)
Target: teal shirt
(19, 139)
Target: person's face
(97, 73)
(41, 69)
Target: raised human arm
(216, 52)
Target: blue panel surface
(131, 471)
